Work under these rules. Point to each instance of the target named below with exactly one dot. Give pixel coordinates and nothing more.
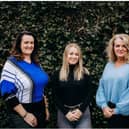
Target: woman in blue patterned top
(22, 84)
(113, 92)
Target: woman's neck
(27, 58)
(119, 62)
(71, 67)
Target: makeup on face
(27, 44)
(73, 56)
(120, 48)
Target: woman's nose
(121, 48)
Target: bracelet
(25, 115)
(46, 102)
(46, 106)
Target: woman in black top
(72, 90)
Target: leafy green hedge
(91, 24)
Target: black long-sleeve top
(71, 92)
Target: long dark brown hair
(16, 49)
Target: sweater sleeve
(7, 85)
(122, 107)
(89, 90)
(54, 84)
(100, 97)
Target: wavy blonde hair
(79, 70)
(110, 47)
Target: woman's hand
(47, 114)
(77, 113)
(30, 119)
(72, 116)
(107, 112)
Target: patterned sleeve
(7, 84)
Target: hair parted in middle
(79, 70)
(16, 49)
(110, 47)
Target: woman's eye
(25, 42)
(117, 45)
(71, 53)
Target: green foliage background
(90, 24)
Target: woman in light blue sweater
(113, 92)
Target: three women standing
(23, 81)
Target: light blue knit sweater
(114, 87)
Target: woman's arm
(46, 108)
(8, 92)
(54, 83)
(28, 117)
(100, 97)
(89, 89)
(122, 107)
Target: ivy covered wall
(90, 24)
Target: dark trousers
(16, 121)
(38, 109)
(118, 121)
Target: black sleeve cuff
(12, 102)
(65, 111)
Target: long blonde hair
(110, 48)
(79, 70)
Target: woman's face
(27, 44)
(72, 56)
(120, 48)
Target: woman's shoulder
(12, 59)
(9, 59)
(86, 72)
(9, 64)
(109, 65)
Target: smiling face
(72, 56)
(120, 49)
(27, 45)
